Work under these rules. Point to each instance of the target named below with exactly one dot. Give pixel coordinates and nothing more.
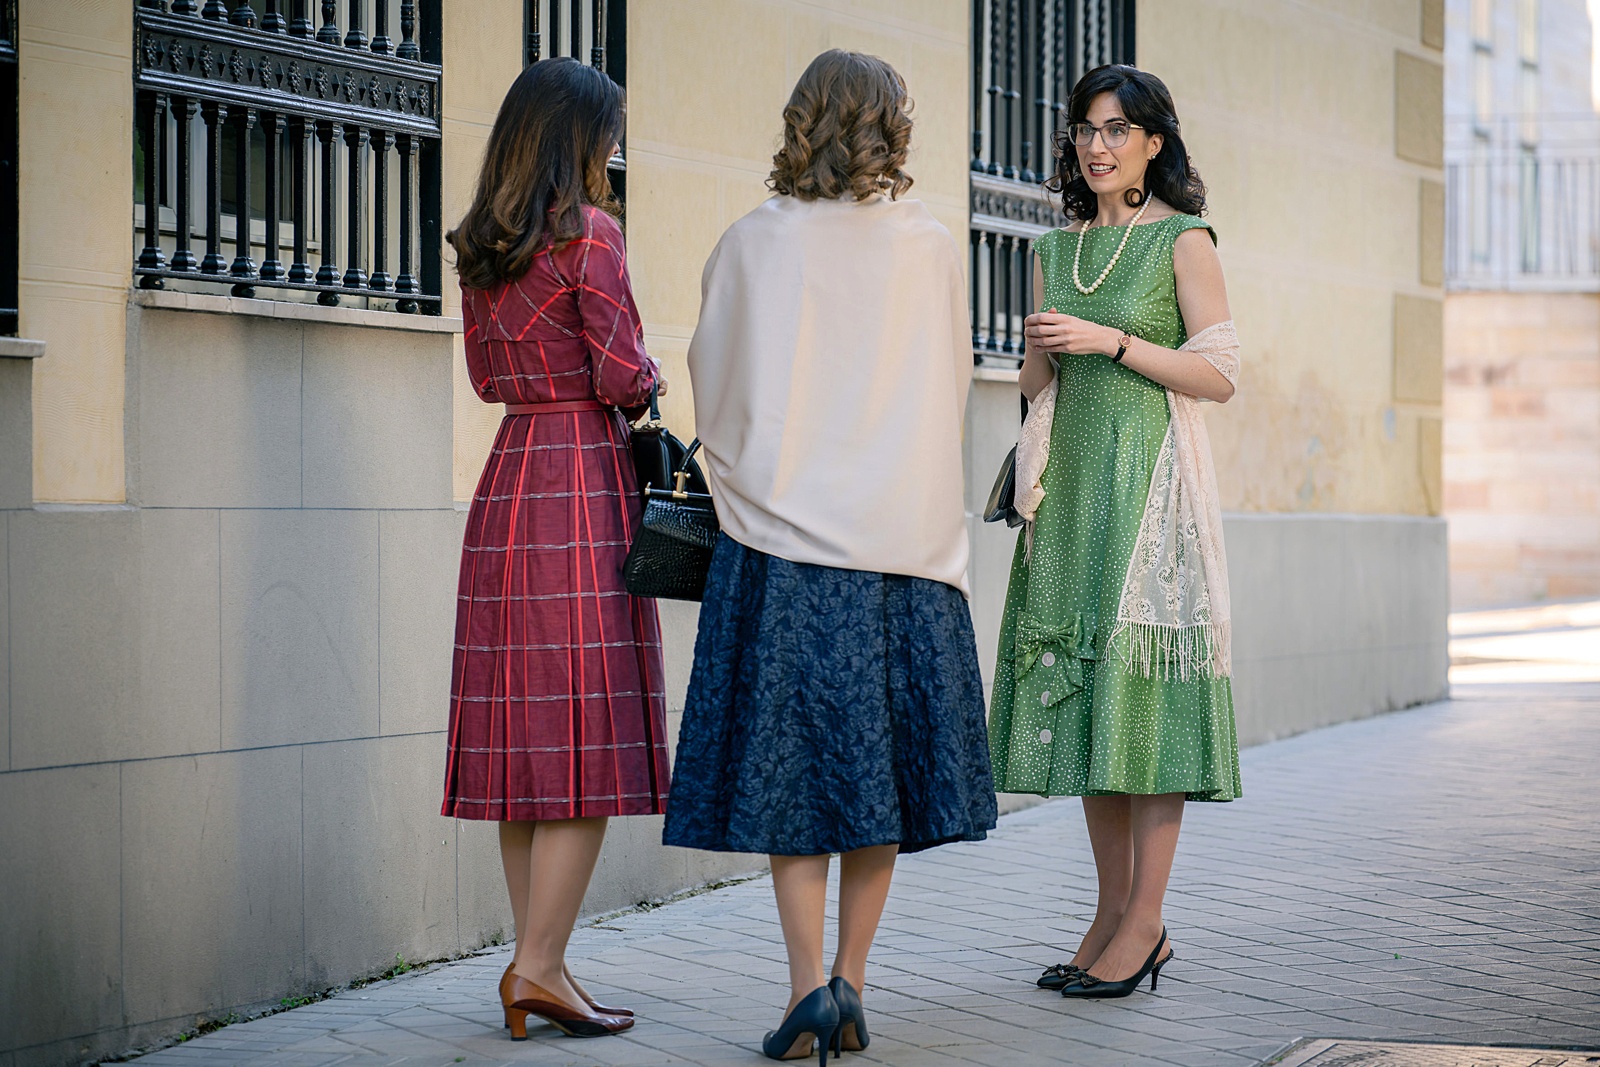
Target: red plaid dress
(557, 708)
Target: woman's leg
(864, 877)
(561, 861)
(516, 841)
(1111, 838)
(1155, 821)
(801, 886)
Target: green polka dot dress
(1068, 717)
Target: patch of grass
(399, 967)
(207, 1026)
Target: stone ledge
(20, 348)
(982, 373)
(170, 300)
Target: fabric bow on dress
(1068, 643)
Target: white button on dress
(1044, 737)
(1048, 659)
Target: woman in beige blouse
(836, 704)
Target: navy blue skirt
(829, 710)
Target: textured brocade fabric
(1069, 716)
(829, 710)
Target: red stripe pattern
(557, 706)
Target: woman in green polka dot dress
(1100, 692)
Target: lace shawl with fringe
(1174, 605)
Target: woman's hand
(660, 374)
(1048, 331)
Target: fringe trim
(1160, 650)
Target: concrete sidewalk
(1427, 875)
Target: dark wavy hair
(847, 128)
(1145, 102)
(546, 158)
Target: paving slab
(1429, 876)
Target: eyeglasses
(1113, 134)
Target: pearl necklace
(1078, 254)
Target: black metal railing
(1523, 220)
(1027, 55)
(592, 31)
(263, 130)
(8, 168)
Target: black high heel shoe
(852, 1033)
(1088, 987)
(1059, 976)
(817, 1016)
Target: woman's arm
(1037, 368)
(623, 374)
(1203, 301)
(479, 355)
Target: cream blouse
(830, 370)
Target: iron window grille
(1026, 57)
(8, 168)
(264, 130)
(591, 31)
(1521, 219)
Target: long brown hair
(847, 128)
(546, 158)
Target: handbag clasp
(678, 492)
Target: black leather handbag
(657, 454)
(1003, 497)
(671, 554)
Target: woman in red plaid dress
(557, 710)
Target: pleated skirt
(557, 701)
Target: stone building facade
(1522, 315)
(230, 524)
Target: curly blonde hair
(846, 129)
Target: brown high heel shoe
(626, 1013)
(522, 998)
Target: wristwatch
(1122, 347)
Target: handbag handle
(681, 475)
(654, 421)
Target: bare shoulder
(1196, 247)
(1195, 263)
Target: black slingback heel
(1088, 987)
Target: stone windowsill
(986, 373)
(20, 348)
(217, 304)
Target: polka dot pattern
(1072, 720)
